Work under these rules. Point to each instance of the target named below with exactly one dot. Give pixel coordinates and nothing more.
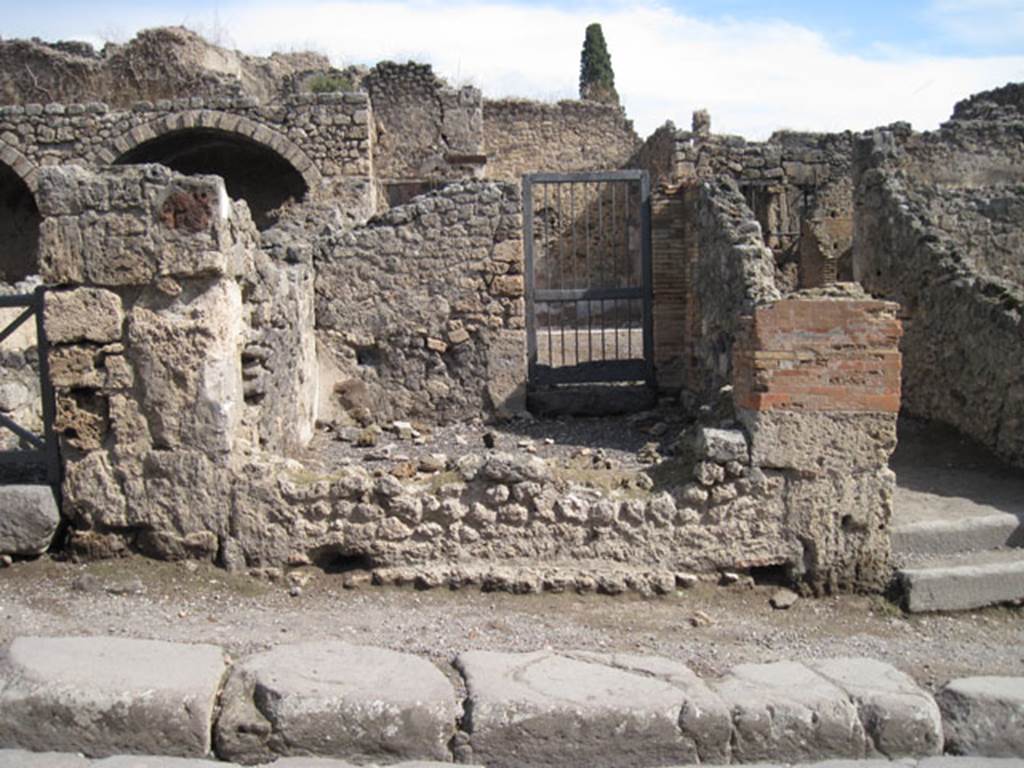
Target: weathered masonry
(225, 273)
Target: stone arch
(256, 162)
(19, 215)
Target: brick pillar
(670, 285)
(823, 355)
(817, 386)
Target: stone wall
(150, 320)
(528, 136)
(420, 311)
(425, 130)
(938, 229)
(177, 335)
(792, 180)
(733, 271)
(324, 137)
(161, 63)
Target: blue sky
(756, 66)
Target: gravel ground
(711, 628)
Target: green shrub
(328, 83)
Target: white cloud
(754, 77)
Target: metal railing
(587, 247)
(42, 453)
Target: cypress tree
(597, 80)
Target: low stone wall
(528, 136)
(420, 312)
(948, 255)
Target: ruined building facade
(359, 256)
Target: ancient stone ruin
(242, 267)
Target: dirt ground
(708, 627)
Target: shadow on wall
(19, 228)
(251, 171)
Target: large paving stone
(543, 709)
(154, 761)
(984, 716)
(950, 761)
(103, 696)
(18, 758)
(326, 762)
(900, 718)
(28, 519)
(787, 712)
(333, 699)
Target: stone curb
(104, 696)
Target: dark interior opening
(19, 228)
(251, 171)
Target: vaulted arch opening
(251, 171)
(19, 227)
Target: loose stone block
(84, 314)
(722, 445)
(899, 717)
(544, 709)
(103, 695)
(28, 519)
(786, 712)
(984, 716)
(336, 700)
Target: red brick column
(811, 354)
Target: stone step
(962, 582)
(955, 535)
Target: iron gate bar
(564, 286)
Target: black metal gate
(588, 277)
(37, 458)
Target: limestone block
(187, 360)
(786, 712)
(103, 695)
(984, 716)
(506, 372)
(75, 367)
(583, 710)
(336, 700)
(82, 314)
(722, 445)
(129, 225)
(816, 442)
(92, 495)
(28, 519)
(900, 718)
